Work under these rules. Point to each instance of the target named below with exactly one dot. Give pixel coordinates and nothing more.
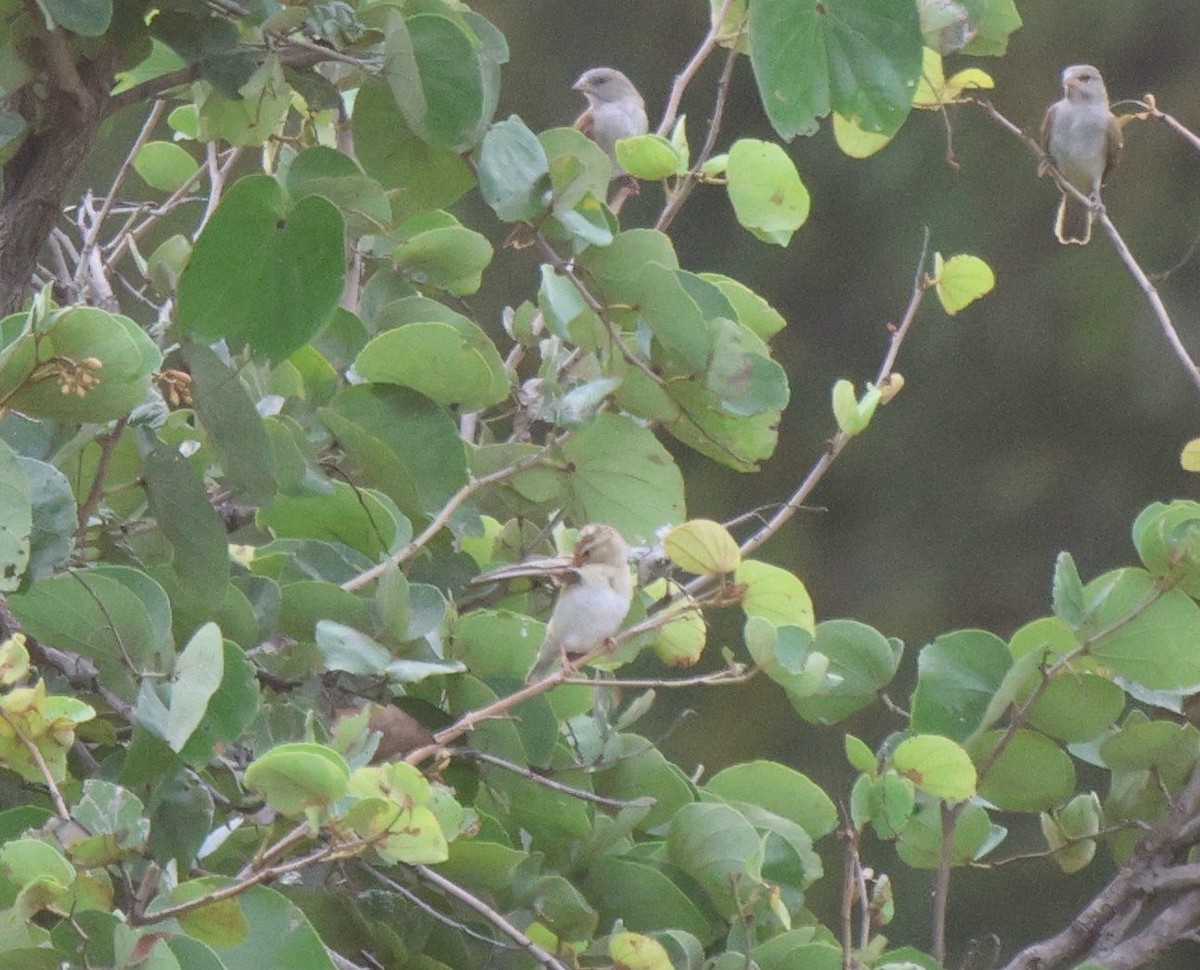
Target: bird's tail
(1074, 223)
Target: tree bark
(63, 123)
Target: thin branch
(433, 912)
(438, 522)
(840, 440)
(941, 885)
(107, 443)
(473, 902)
(1150, 109)
(1131, 264)
(683, 189)
(60, 806)
(685, 77)
(93, 234)
(546, 782)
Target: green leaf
(937, 766)
(650, 157)
(775, 594)
(401, 443)
(293, 777)
(741, 372)
(961, 280)
(1031, 774)
(702, 547)
(619, 473)
(277, 933)
(861, 58)
(957, 676)
(448, 257)
(780, 790)
(1063, 829)
(337, 178)
(993, 20)
(194, 681)
(452, 364)
(767, 195)
(189, 523)
(1164, 536)
(1152, 636)
(1076, 706)
(753, 312)
(920, 844)
(89, 18)
(439, 79)
(109, 353)
(861, 661)
(165, 166)
(1068, 591)
(94, 613)
(717, 847)
(16, 519)
(852, 415)
(389, 151)
(514, 172)
(264, 271)
(233, 424)
(360, 518)
(643, 898)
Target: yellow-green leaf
(961, 280)
(703, 547)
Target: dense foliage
(256, 707)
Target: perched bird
(593, 602)
(615, 110)
(596, 591)
(1083, 139)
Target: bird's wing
(1116, 141)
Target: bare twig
(492, 916)
(107, 443)
(89, 244)
(438, 522)
(683, 188)
(840, 440)
(546, 782)
(685, 77)
(60, 806)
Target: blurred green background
(1043, 418)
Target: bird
(594, 599)
(1082, 138)
(615, 110)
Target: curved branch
(1135, 270)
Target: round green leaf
(937, 766)
(702, 547)
(961, 280)
(164, 165)
(778, 789)
(514, 173)
(775, 594)
(650, 157)
(957, 676)
(767, 195)
(449, 364)
(264, 271)
(293, 777)
(1031, 774)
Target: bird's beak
(579, 86)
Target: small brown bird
(615, 110)
(1083, 139)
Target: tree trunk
(63, 124)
